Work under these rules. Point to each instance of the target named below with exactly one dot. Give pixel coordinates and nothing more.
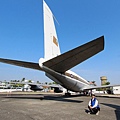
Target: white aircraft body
(56, 65)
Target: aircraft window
(71, 76)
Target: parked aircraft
(35, 87)
(56, 65)
(40, 87)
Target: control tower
(103, 80)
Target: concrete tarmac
(55, 107)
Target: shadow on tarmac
(46, 97)
(62, 98)
(108, 96)
(117, 109)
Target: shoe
(97, 113)
(89, 113)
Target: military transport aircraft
(56, 65)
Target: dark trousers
(94, 110)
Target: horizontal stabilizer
(21, 63)
(96, 87)
(75, 56)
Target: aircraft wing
(21, 63)
(95, 87)
(67, 60)
(35, 87)
(75, 56)
(39, 87)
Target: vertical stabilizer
(50, 37)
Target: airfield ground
(24, 106)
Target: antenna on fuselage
(55, 19)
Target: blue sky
(80, 21)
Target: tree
(93, 83)
(54, 83)
(30, 81)
(38, 82)
(50, 83)
(46, 83)
(23, 79)
(107, 83)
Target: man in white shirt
(93, 106)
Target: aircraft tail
(51, 45)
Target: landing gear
(68, 93)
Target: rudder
(51, 45)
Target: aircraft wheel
(67, 94)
